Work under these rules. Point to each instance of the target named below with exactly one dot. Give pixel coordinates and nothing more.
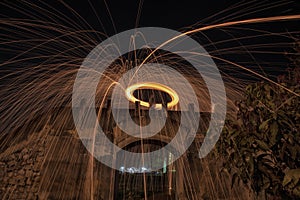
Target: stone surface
(16, 170)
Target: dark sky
(114, 16)
(162, 13)
(174, 14)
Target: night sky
(169, 14)
(103, 15)
(114, 16)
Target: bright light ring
(158, 74)
(155, 86)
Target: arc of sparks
(225, 24)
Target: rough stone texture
(52, 164)
(20, 168)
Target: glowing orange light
(155, 86)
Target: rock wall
(20, 169)
(52, 165)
